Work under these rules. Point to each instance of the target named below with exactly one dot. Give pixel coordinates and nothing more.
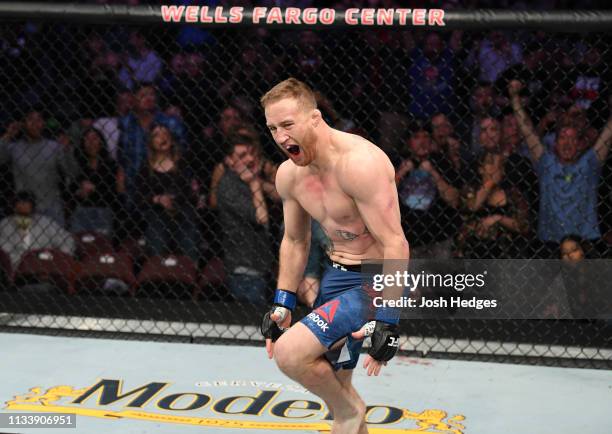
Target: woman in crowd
(98, 185)
(166, 199)
(495, 213)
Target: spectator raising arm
(602, 145)
(526, 126)
(448, 193)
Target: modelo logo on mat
(264, 409)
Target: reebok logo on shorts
(324, 315)
(320, 322)
(328, 310)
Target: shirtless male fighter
(347, 184)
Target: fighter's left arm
(369, 178)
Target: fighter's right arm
(296, 239)
(293, 255)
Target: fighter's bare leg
(345, 377)
(299, 354)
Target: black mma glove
(385, 340)
(284, 303)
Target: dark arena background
(97, 240)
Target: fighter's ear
(317, 117)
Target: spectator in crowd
(431, 78)
(380, 55)
(587, 294)
(331, 115)
(392, 130)
(141, 65)
(205, 159)
(568, 180)
(443, 139)
(563, 294)
(482, 105)
(586, 282)
(165, 197)
(135, 129)
(503, 138)
(252, 66)
(567, 295)
(109, 125)
(574, 117)
(92, 93)
(512, 142)
(214, 135)
(98, 185)
(207, 151)
(23, 62)
(101, 63)
(428, 188)
(268, 169)
(188, 84)
(77, 128)
(244, 219)
(493, 139)
(495, 213)
(605, 206)
(38, 164)
(308, 62)
(571, 248)
(27, 230)
(496, 54)
(518, 169)
(587, 84)
(489, 135)
(229, 118)
(495, 136)
(538, 81)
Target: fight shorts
(342, 307)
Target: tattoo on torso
(345, 235)
(350, 236)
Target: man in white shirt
(26, 230)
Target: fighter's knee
(285, 355)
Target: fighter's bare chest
(324, 199)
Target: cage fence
(138, 175)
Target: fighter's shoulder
(285, 178)
(360, 153)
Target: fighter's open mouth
(293, 149)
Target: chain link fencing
(138, 175)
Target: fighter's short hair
(291, 88)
